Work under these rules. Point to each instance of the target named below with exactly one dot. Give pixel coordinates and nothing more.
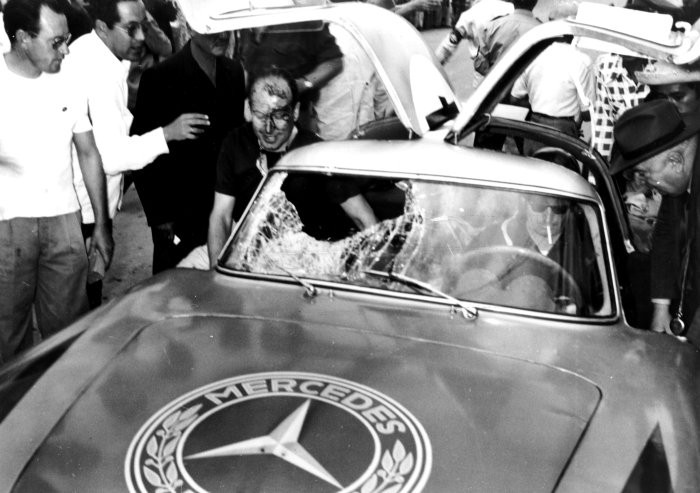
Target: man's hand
(411, 6)
(423, 5)
(102, 242)
(661, 318)
(187, 126)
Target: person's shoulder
(82, 51)
(232, 65)
(608, 64)
(173, 63)
(569, 53)
(238, 138)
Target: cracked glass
(478, 244)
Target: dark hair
(105, 10)
(25, 14)
(275, 72)
(524, 4)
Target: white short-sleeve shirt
(38, 118)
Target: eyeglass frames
(280, 118)
(56, 42)
(541, 207)
(133, 28)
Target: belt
(567, 118)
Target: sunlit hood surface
(490, 423)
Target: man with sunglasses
(101, 59)
(549, 226)
(43, 262)
(272, 110)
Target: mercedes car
(474, 338)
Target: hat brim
(692, 127)
(660, 79)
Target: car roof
(437, 161)
(414, 81)
(681, 48)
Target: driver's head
(273, 108)
(544, 212)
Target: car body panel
(414, 81)
(434, 160)
(680, 49)
(486, 375)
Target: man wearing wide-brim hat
(678, 84)
(659, 144)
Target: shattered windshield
(477, 244)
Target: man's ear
(296, 111)
(100, 27)
(246, 111)
(22, 36)
(682, 159)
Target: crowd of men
(192, 124)
(196, 129)
(643, 122)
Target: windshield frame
(338, 286)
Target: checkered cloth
(615, 93)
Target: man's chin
(134, 54)
(270, 148)
(54, 67)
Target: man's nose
(548, 214)
(268, 124)
(140, 34)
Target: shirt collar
(104, 54)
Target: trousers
(43, 266)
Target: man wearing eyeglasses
(272, 109)
(43, 262)
(551, 227)
(102, 59)
(658, 144)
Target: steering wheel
(570, 287)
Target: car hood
(454, 417)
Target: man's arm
(666, 262)
(120, 151)
(602, 122)
(156, 40)
(405, 9)
(320, 75)
(94, 177)
(358, 209)
(220, 225)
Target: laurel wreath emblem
(159, 468)
(390, 478)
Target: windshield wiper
(467, 311)
(310, 290)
